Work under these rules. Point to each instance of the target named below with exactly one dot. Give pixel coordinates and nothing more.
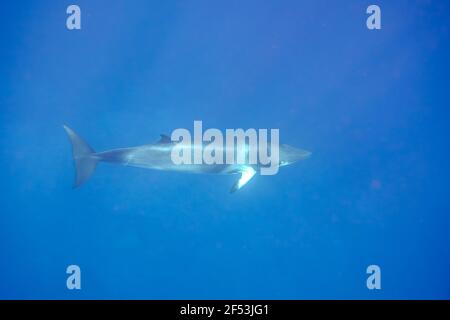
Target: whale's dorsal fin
(164, 139)
(246, 175)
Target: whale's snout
(289, 155)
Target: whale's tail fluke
(83, 156)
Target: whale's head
(289, 155)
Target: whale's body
(157, 156)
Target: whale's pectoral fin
(246, 175)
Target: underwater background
(371, 105)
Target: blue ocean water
(371, 105)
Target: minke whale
(157, 156)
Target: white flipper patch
(246, 175)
